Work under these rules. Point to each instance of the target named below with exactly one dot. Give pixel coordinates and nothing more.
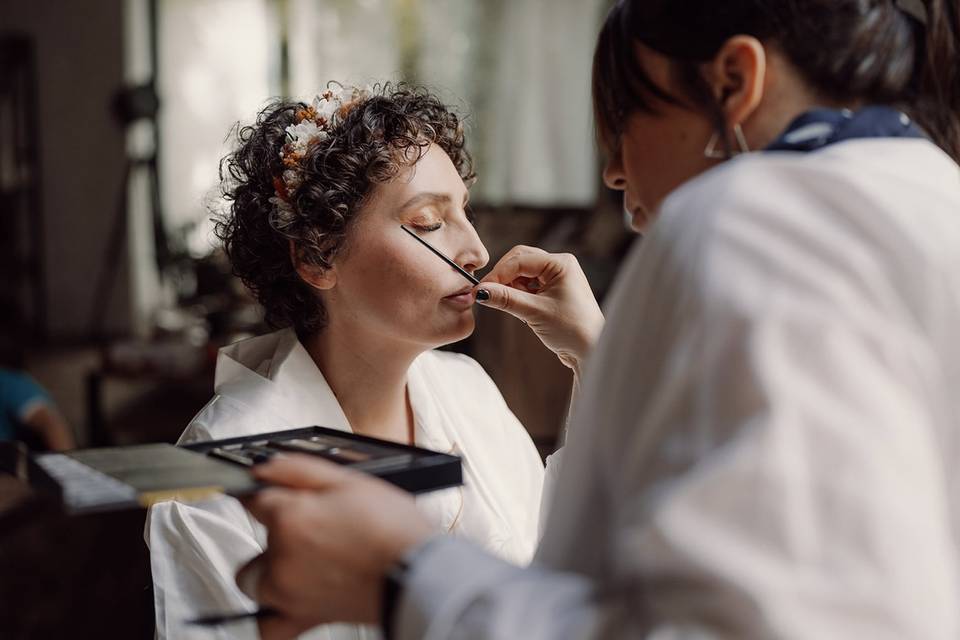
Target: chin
(641, 220)
(460, 331)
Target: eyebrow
(430, 198)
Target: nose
(613, 174)
(472, 255)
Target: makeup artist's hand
(332, 535)
(551, 294)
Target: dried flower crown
(312, 125)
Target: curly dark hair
(385, 132)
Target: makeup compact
(115, 478)
(414, 469)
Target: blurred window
(518, 69)
(218, 64)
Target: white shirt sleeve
(765, 463)
(812, 511)
(195, 551)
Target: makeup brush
(215, 620)
(450, 262)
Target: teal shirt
(18, 392)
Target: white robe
(270, 383)
(767, 444)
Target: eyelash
(428, 228)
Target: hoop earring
(717, 154)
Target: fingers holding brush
(548, 292)
(551, 294)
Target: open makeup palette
(412, 468)
(109, 479)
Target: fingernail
(483, 295)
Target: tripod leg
(110, 263)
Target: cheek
(660, 158)
(389, 285)
(394, 288)
(387, 274)
(643, 166)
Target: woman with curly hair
(318, 194)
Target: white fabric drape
(767, 441)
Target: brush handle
(227, 618)
(450, 262)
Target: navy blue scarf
(818, 128)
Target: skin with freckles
(389, 298)
(388, 287)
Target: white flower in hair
(326, 107)
(301, 135)
(303, 131)
(291, 178)
(312, 125)
(282, 215)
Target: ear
(736, 76)
(316, 276)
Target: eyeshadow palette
(412, 468)
(115, 478)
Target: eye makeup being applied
(473, 280)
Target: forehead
(434, 171)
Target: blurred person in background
(28, 413)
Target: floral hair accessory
(312, 125)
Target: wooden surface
(532, 380)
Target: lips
(461, 292)
(461, 300)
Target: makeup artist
(766, 441)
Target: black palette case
(411, 468)
(114, 478)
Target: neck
(791, 98)
(368, 376)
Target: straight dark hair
(870, 51)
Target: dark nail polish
(483, 295)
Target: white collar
(275, 372)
